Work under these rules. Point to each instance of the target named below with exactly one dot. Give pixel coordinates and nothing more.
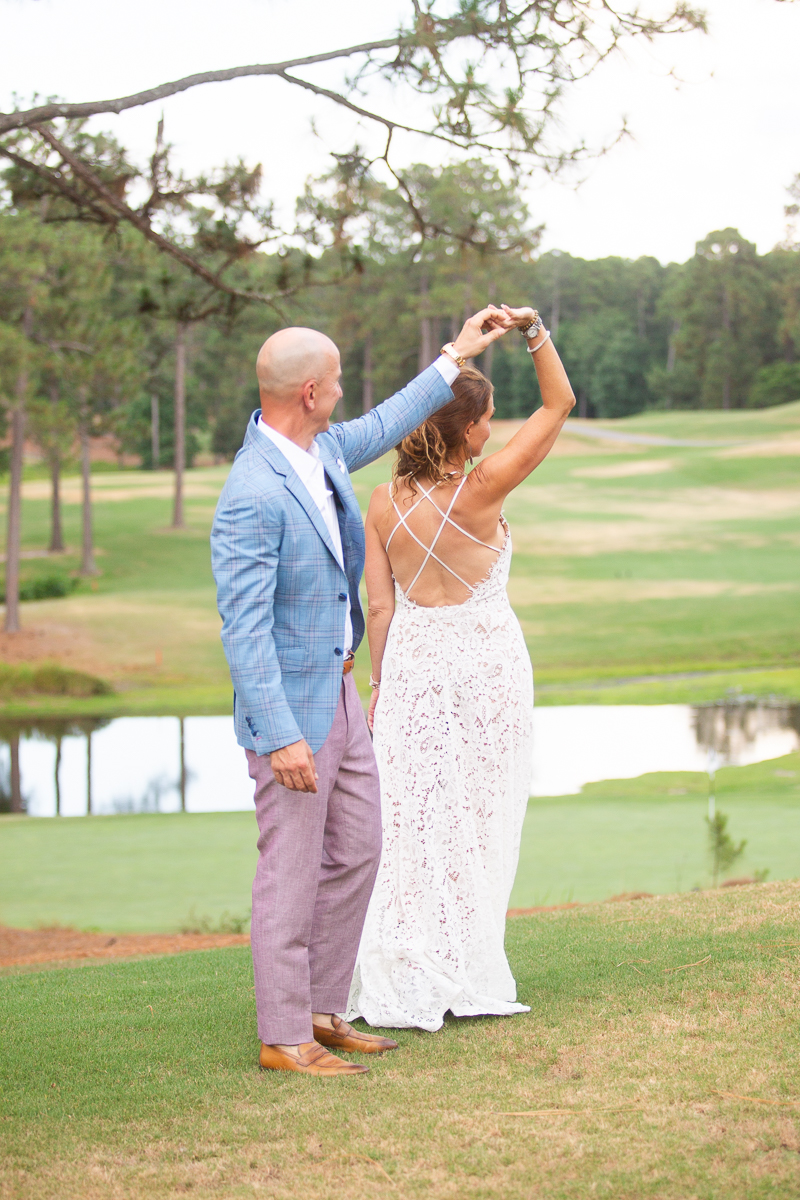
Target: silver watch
(531, 330)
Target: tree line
(101, 333)
(134, 298)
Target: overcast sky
(715, 119)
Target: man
(288, 552)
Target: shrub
(49, 679)
(45, 587)
(778, 383)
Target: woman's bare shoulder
(379, 501)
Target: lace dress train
(453, 740)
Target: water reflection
(17, 734)
(580, 744)
(125, 765)
(52, 767)
(727, 731)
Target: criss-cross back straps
(446, 520)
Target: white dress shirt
(308, 466)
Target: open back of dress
(430, 551)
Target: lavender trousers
(318, 857)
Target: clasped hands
(496, 322)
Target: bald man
(288, 552)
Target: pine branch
(28, 118)
(87, 176)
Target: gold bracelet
(451, 352)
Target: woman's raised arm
(502, 471)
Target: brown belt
(349, 663)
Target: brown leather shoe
(312, 1060)
(344, 1037)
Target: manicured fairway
(127, 874)
(660, 1059)
(678, 564)
(650, 834)
(162, 873)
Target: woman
(452, 706)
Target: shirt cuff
(448, 369)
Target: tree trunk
(56, 532)
(88, 565)
(11, 624)
(89, 773)
(180, 422)
(54, 462)
(583, 403)
(727, 324)
(58, 776)
(672, 351)
(486, 360)
(425, 343)
(425, 328)
(468, 309)
(367, 394)
(15, 508)
(555, 311)
(155, 433)
(16, 782)
(182, 780)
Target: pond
(52, 767)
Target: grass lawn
(128, 874)
(641, 573)
(659, 1059)
(160, 873)
(650, 834)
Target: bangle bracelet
(451, 352)
(374, 684)
(533, 349)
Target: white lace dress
(453, 739)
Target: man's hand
(293, 767)
(519, 318)
(471, 341)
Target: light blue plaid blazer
(280, 590)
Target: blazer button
(342, 595)
(337, 651)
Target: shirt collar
(305, 462)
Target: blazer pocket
(292, 660)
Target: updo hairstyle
(425, 452)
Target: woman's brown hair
(425, 452)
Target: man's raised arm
(368, 437)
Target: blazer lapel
(334, 474)
(298, 490)
(340, 482)
(267, 449)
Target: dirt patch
(54, 643)
(526, 912)
(785, 444)
(26, 947)
(644, 466)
